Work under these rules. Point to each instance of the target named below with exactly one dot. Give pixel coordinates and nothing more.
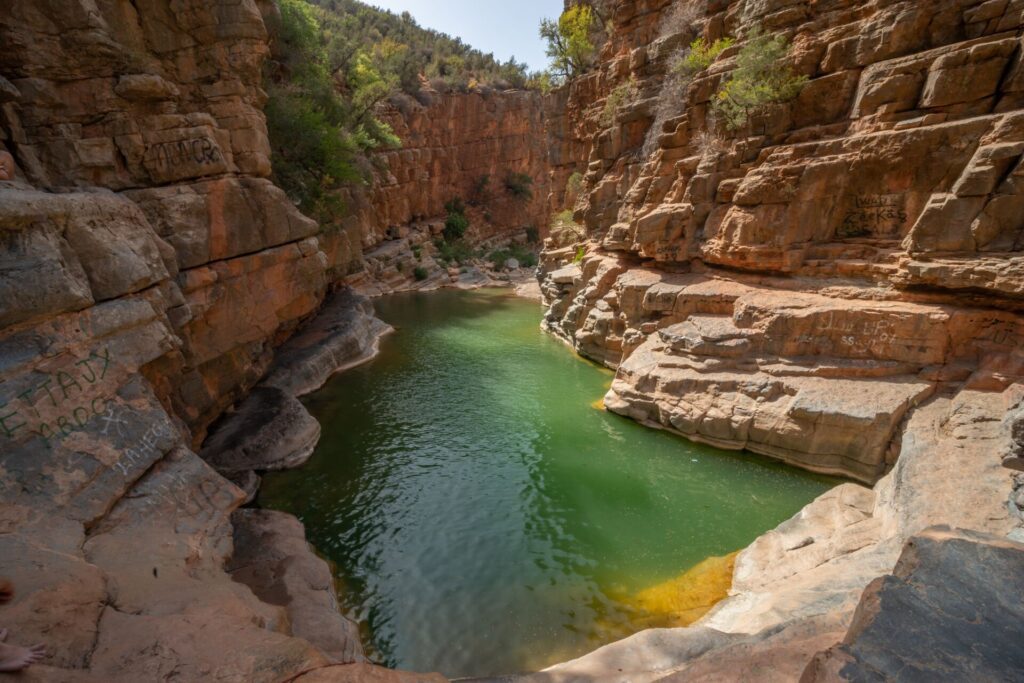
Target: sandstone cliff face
(837, 285)
(162, 106)
(148, 270)
(449, 147)
(796, 286)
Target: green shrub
(499, 256)
(455, 251)
(580, 253)
(455, 205)
(622, 95)
(320, 135)
(701, 55)
(525, 257)
(518, 185)
(420, 274)
(417, 251)
(456, 224)
(403, 50)
(532, 234)
(480, 193)
(574, 185)
(761, 77)
(544, 81)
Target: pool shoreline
(575, 358)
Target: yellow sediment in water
(599, 403)
(686, 598)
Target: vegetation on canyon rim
(409, 53)
(321, 110)
(570, 40)
(453, 248)
(334, 62)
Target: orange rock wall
(870, 232)
(448, 146)
(149, 268)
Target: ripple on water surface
(484, 517)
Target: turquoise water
(483, 517)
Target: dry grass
(684, 17)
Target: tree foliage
(320, 116)
(701, 55)
(570, 44)
(761, 77)
(334, 62)
(407, 52)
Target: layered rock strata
(149, 269)
(456, 146)
(836, 284)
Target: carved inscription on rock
(186, 157)
(58, 403)
(874, 215)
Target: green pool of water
(482, 516)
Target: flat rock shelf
(484, 515)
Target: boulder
(944, 614)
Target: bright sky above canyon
(505, 28)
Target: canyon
(839, 286)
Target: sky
(505, 28)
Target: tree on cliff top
(570, 40)
(414, 52)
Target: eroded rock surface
(149, 269)
(272, 557)
(944, 614)
(836, 284)
(457, 145)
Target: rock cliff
(149, 268)
(836, 284)
(457, 145)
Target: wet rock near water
(344, 333)
(268, 430)
(272, 557)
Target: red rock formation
(449, 146)
(148, 270)
(838, 284)
(862, 240)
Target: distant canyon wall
(451, 146)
